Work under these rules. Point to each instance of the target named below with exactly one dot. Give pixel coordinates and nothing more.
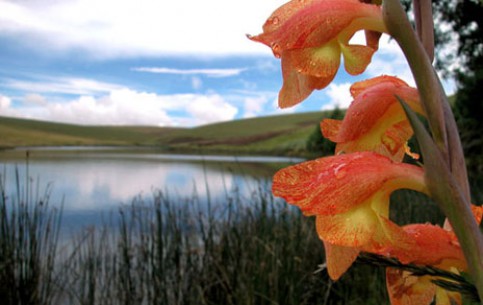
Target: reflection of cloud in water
(99, 184)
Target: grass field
(282, 134)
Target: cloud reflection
(98, 183)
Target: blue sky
(151, 62)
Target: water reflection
(100, 179)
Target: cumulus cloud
(253, 106)
(130, 28)
(34, 99)
(127, 107)
(339, 96)
(5, 102)
(210, 109)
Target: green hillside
(281, 134)
(20, 132)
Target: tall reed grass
(29, 231)
(172, 250)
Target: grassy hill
(21, 132)
(281, 134)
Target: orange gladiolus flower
(433, 246)
(349, 194)
(375, 121)
(309, 37)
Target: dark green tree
(466, 20)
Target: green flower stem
(434, 100)
(401, 30)
(443, 155)
(423, 14)
(445, 191)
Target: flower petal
(358, 87)
(375, 121)
(356, 58)
(305, 70)
(372, 39)
(446, 297)
(330, 128)
(339, 259)
(332, 185)
(307, 24)
(406, 289)
(433, 246)
(323, 61)
(362, 228)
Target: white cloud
(128, 107)
(44, 84)
(5, 102)
(35, 99)
(210, 109)
(145, 27)
(207, 72)
(339, 96)
(253, 106)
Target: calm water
(90, 181)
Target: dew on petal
(274, 20)
(339, 171)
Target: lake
(91, 181)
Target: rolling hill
(280, 134)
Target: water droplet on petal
(276, 49)
(339, 171)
